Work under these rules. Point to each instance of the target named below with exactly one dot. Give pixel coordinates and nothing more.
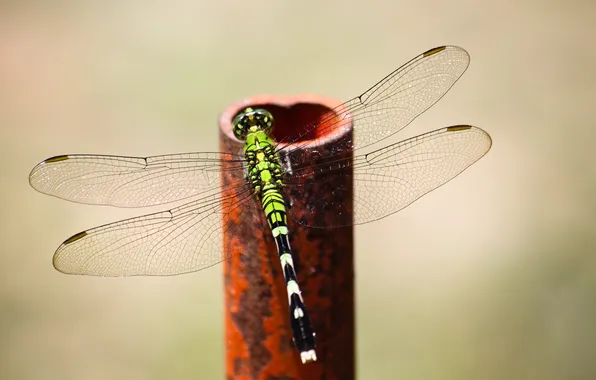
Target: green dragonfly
(188, 238)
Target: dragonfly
(187, 238)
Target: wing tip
(56, 259)
(466, 127)
(58, 254)
(39, 166)
(452, 48)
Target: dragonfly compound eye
(264, 119)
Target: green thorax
(258, 141)
(263, 168)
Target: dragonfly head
(252, 120)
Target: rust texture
(257, 329)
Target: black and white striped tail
(304, 337)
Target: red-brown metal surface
(257, 328)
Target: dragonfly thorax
(263, 168)
(264, 171)
(252, 120)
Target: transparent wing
(385, 180)
(391, 104)
(131, 181)
(184, 239)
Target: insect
(187, 238)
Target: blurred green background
(491, 277)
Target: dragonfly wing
(391, 104)
(385, 180)
(181, 240)
(131, 181)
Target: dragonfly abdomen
(275, 211)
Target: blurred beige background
(491, 277)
